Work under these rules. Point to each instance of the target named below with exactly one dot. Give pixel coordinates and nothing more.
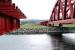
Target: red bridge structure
(44, 23)
(63, 13)
(10, 16)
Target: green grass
(32, 26)
(69, 25)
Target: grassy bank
(32, 26)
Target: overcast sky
(36, 9)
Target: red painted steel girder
(9, 16)
(44, 23)
(63, 12)
(67, 21)
(10, 10)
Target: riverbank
(49, 30)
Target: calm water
(37, 42)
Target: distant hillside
(31, 21)
(32, 24)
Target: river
(38, 42)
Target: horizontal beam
(11, 10)
(67, 21)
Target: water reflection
(70, 38)
(69, 41)
(37, 42)
(25, 42)
(57, 42)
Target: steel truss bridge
(63, 13)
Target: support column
(60, 25)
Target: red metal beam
(63, 12)
(44, 23)
(10, 16)
(12, 11)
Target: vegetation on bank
(69, 25)
(37, 26)
(32, 26)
